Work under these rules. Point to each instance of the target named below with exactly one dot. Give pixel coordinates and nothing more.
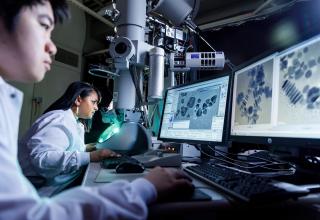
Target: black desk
(222, 206)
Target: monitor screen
(195, 113)
(277, 98)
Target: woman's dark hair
(75, 89)
(10, 10)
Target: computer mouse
(130, 167)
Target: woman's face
(88, 106)
(25, 54)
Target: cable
(271, 163)
(151, 117)
(235, 160)
(248, 156)
(264, 166)
(133, 74)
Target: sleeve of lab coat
(49, 153)
(117, 200)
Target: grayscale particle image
(254, 95)
(198, 106)
(300, 85)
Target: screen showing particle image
(253, 97)
(196, 112)
(279, 96)
(299, 85)
(253, 94)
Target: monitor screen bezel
(226, 125)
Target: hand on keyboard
(99, 155)
(170, 183)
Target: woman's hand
(98, 155)
(91, 147)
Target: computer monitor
(196, 113)
(276, 100)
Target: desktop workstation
(230, 200)
(222, 117)
(246, 125)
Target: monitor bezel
(272, 141)
(226, 127)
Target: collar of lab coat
(15, 94)
(1, 80)
(79, 124)
(71, 115)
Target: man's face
(28, 50)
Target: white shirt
(53, 148)
(19, 199)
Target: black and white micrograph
(254, 94)
(300, 85)
(199, 107)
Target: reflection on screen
(279, 95)
(196, 112)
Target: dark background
(255, 39)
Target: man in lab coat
(25, 56)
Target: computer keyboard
(243, 186)
(112, 163)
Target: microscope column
(131, 24)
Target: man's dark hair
(75, 89)
(10, 10)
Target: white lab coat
(53, 148)
(19, 199)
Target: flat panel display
(196, 112)
(278, 97)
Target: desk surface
(221, 206)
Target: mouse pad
(107, 176)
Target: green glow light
(109, 132)
(116, 130)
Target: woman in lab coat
(25, 51)
(52, 154)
